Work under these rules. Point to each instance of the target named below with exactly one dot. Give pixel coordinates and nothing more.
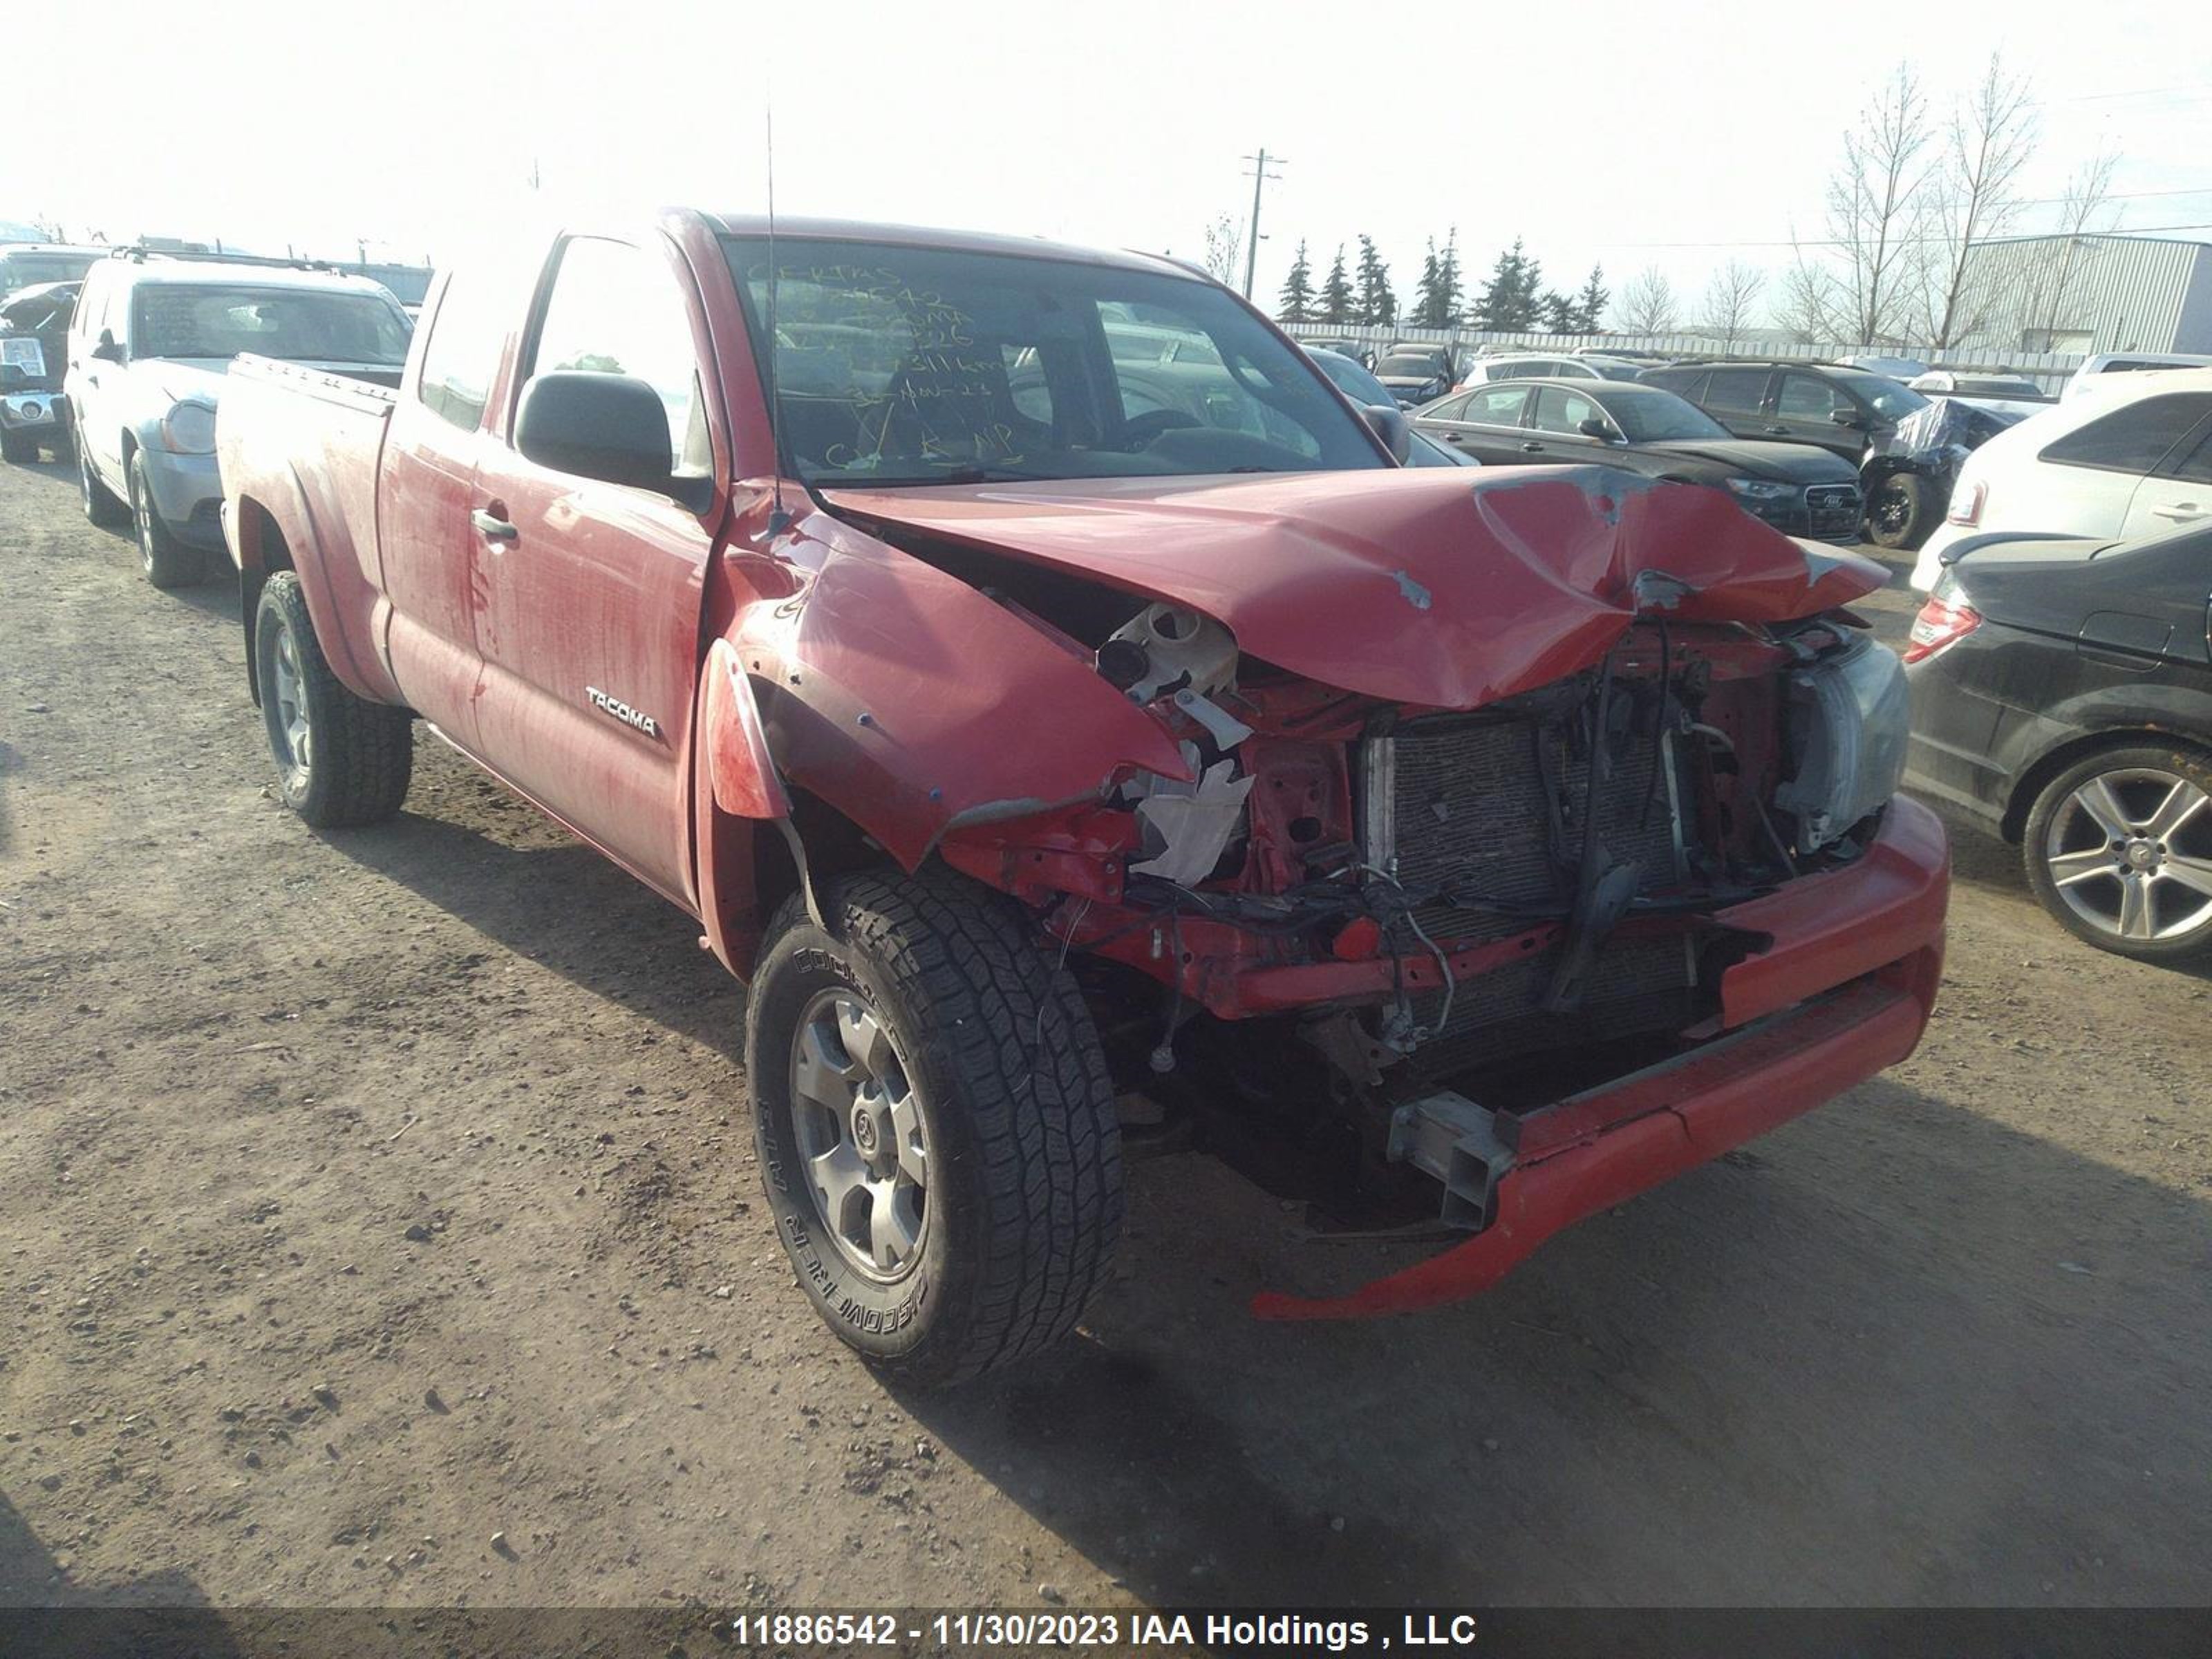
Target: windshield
(898, 365)
(1353, 381)
(1657, 416)
(1892, 399)
(21, 270)
(300, 325)
(1409, 367)
(1999, 388)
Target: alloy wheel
(860, 1135)
(2131, 853)
(287, 725)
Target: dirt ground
(381, 1227)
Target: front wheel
(167, 562)
(2118, 850)
(1901, 511)
(934, 1122)
(340, 759)
(100, 507)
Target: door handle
(1532, 448)
(2180, 512)
(493, 527)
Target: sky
(1629, 135)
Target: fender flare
(283, 499)
(735, 790)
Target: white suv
(2127, 459)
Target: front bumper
(32, 412)
(1842, 989)
(187, 493)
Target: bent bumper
(1858, 952)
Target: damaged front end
(1476, 961)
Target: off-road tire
(362, 753)
(18, 448)
(167, 562)
(1901, 511)
(1024, 1190)
(2191, 765)
(98, 501)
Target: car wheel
(1901, 511)
(18, 448)
(98, 501)
(340, 759)
(935, 1124)
(167, 562)
(2118, 848)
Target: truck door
(590, 591)
(425, 544)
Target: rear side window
(1735, 388)
(1498, 408)
(1450, 409)
(2135, 438)
(467, 331)
(613, 312)
(2196, 467)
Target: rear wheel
(98, 501)
(934, 1122)
(340, 759)
(1901, 511)
(167, 562)
(2118, 848)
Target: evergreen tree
(1590, 303)
(1559, 314)
(1509, 300)
(1448, 288)
(1297, 301)
(1378, 305)
(1336, 293)
(1428, 305)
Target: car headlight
(1762, 490)
(189, 429)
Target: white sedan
(2122, 461)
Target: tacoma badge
(623, 712)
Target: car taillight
(1966, 504)
(1940, 623)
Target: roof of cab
(958, 241)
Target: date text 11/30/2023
(1280, 1632)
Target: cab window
(614, 310)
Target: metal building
(2089, 294)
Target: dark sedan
(1414, 377)
(2061, 694)
(1798, 488)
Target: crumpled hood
(1423, 586)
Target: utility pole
(1260, 177)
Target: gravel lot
(381, 1227)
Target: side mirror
(1392, 427)
(1594, 427)
(1848, 418)
(610, 427)
(109, 350)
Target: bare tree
(1224, 250)
(1729, 297)
(2084, 213)
(1971, 198)
(1805, 309)
(1647, 304)
(1873, 210)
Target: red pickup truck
(1063, 708)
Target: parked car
(1847, 411)
(2134, 458)
(33, 333)
(149, 344)
(1364, 389)
(2063, 697)
(25, 265)
(1413, 378)
(2090, 375)
(1896, 369)
(2013, 393)
(1525, 366)
(1909, 475)
(1471, 849)
(1799, 489)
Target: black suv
(1849, 410)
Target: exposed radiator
(1463, 800)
